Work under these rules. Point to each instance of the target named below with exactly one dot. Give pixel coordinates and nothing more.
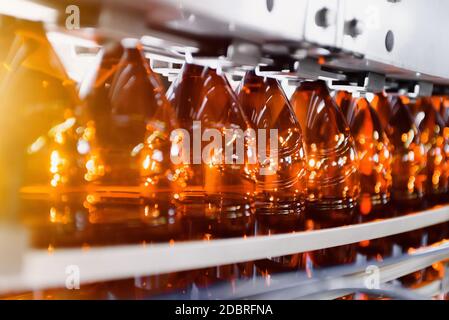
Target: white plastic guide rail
(42, 269)
(349, 279)
(334, 282)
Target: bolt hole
(270, 5)
(389, 41)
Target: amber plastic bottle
(431, 126)
(267, 107)
(434, 135)
(39, 127)
(375, 160)
(333, 181)
(409, 176)
(373, 148)
(409, 160)
(218, 179)
(128, 122)
(442, 106)
(9, 184)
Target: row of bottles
(88, 158)
(117, 142)
(402, 146)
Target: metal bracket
(411, 89)
(244, 53)
(311, 69)
(166, 68)
(294, 72)
(370, 82)
(422, 89)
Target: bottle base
(279, 207)
(326, 204)
(214, 204)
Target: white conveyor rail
(42, 269)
